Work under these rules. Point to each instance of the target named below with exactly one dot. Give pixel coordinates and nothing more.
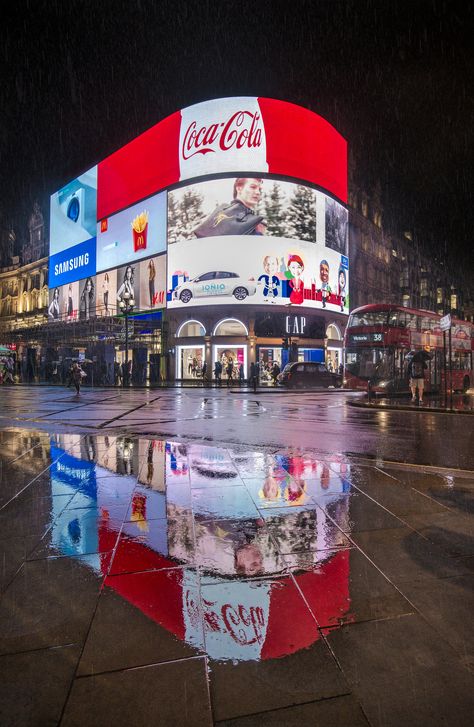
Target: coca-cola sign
(243, 128)
(228, 135)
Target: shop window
(230, 327)
(190, 329)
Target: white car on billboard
(213, 284)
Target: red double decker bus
(378, 339)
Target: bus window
(399, 363)
(368, 319)
(375, 364)
(393, 318)
(462, 360)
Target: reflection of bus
(379, 337)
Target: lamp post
(127, 304)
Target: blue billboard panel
(74, 212)
(133, 234)
(75, 263)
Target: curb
(405, 407)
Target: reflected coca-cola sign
(242, 129)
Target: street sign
(445, 322)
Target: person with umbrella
(416, 372)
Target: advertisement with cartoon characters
(269, 271)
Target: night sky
(82, 78)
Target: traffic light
(284, 343)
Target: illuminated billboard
(73, 218)
(100, 295)
(227, 135)
(254, 240)
(135, 233)
(166, 191)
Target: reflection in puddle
(215, 546)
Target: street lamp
(126, 305)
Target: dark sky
(81, 78)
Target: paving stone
(173, 694)
(49, 603)
(34, 685)
(402, 672)
(335, 712)
(139, 620)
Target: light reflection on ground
(242, 529)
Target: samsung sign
(75, 263)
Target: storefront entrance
(237, 355)
(267, 357)
(189, 362)
(333, 359)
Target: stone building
(389, 266)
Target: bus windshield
(370, 363)
(369, 318)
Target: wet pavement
(251, 579)
(321, 421)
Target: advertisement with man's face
(250, 206)
(270, 271)
(130, 235)
(153, 283)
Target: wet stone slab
(169, 694)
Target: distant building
(392, 267)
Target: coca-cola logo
(242, 129)
(245, 625)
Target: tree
(173, 220)
(302, 214)
(275, 216)
(190, 213)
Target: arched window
(333, 332)
(189, 329)
(230, 327)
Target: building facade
(177, 269)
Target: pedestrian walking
(274, 373)
(241, 374)
(230, 371)
(8, 373)
(218, 372)
(254, 372)
(204, 372)
(77, 375)
(416, 373)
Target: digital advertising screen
(254, 240)
(256, 206)
(135, 233)
(225, 136)
(100, 295)
(257, 270)
(73, 218)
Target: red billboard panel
(236, 135)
